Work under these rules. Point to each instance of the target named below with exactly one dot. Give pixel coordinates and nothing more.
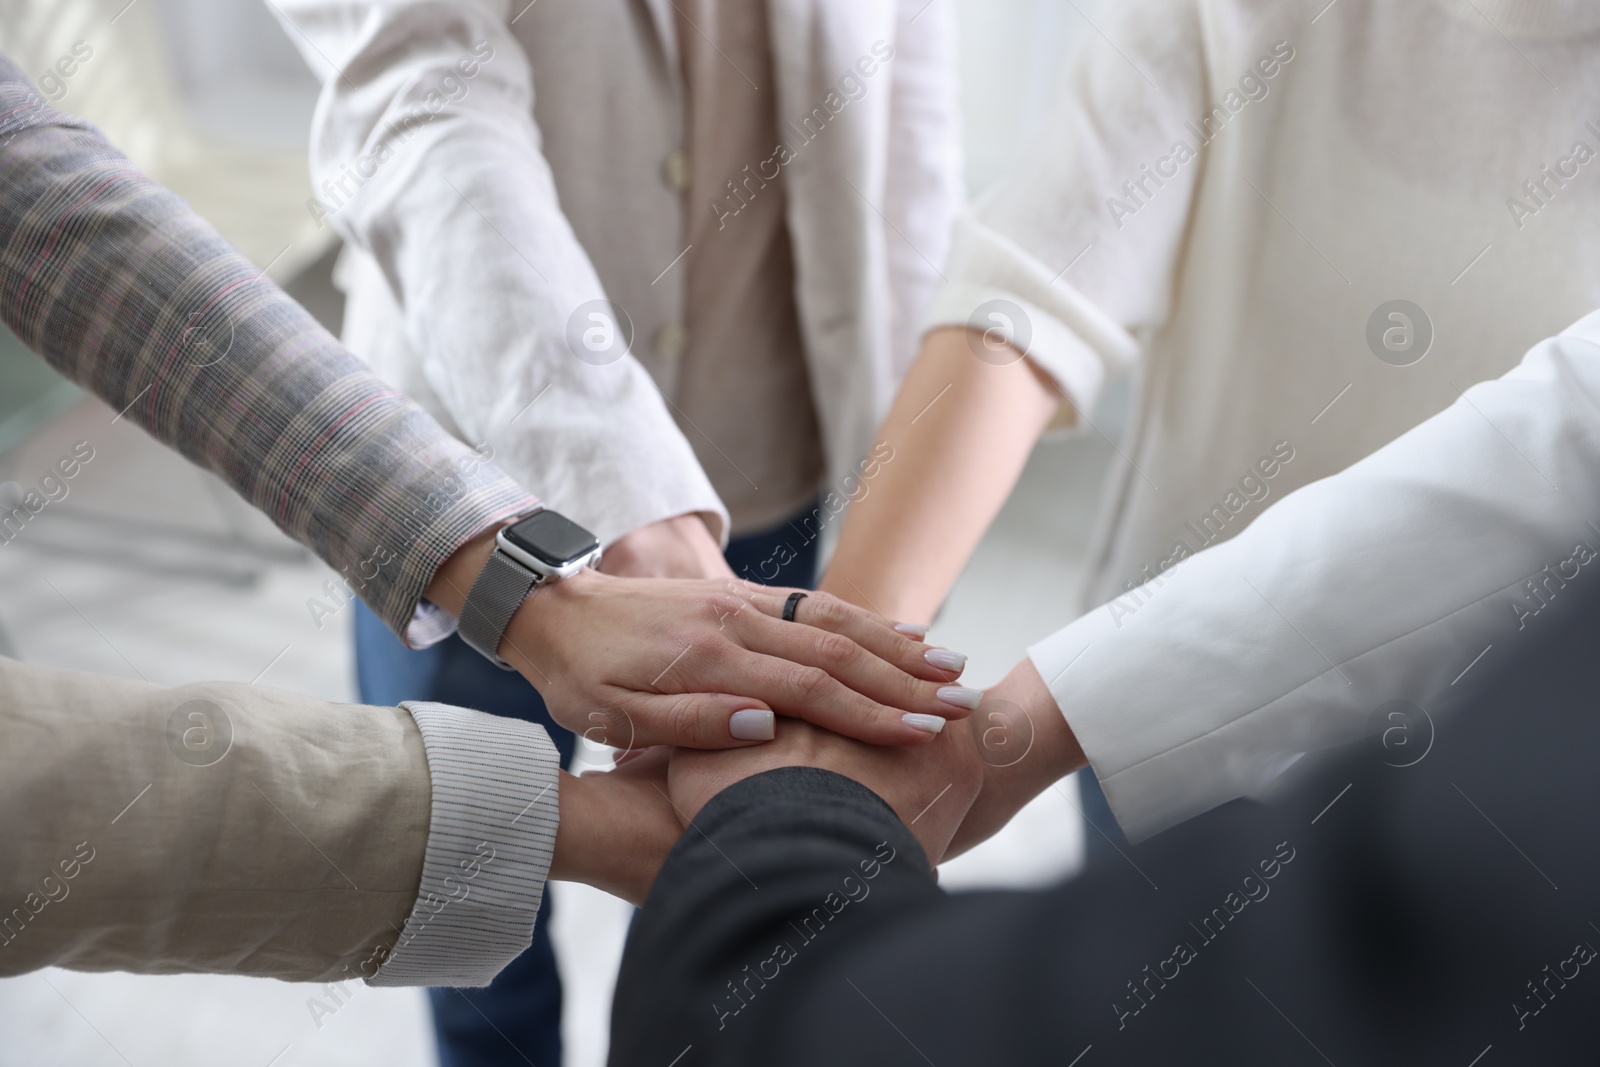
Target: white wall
(1011, 53)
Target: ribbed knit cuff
(491, 837)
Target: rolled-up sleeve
(1059, 257)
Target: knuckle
(825, 607)
(835, 650)
(712, 659)
(811, 684)
(714, 606)
(682, 718)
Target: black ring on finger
(790, 604)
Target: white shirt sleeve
(425, 155)
(1422, 565)
(1084, 236)
(491, 837)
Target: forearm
(615, 833)
(227, 828)
(961, 429)
(120, 286)
(162, 830)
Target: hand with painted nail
(679, 547)
(1026, 746)
(631, 662)
(931, 787)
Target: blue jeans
(517, 1019)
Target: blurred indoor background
(152, 568)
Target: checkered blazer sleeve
(124, 289)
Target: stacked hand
(666, 660)
(929, 787)
(703, 659)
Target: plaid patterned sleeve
(123, 288)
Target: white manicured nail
(945, 660)
(753, 724)
(912, 630)
(931, 723)
(960, 695)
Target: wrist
(571, 860)
(547, 605)
(612, 834)
(1022, 710)
(448, 587)
(679, 547)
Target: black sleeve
(777, 868)
(1392, 911)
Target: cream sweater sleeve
(1074, 256)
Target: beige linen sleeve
(431, 109)
(223, 827)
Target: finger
(876, 635)
(857, 668)
(692, 720)
(643, 760)
(808, 692)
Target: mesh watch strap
(501, 588)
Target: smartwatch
(543, 547)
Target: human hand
(1025, 746)
(679, 547)
(639, 661)
(616, 826)
(930, 787)
(643, 661)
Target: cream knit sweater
(1306, 228)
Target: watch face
(552, 538)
